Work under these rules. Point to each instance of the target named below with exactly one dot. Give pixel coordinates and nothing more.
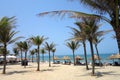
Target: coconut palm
(36, 52)
(32, 52)
(96, 41)
(73, 46)
(20, 48)
(111, 8)
(7, 35)
(79, 35)
(37, 40)
(102, 7)
(49, 48)
(53, 50)
(15, 50)
(91, 29)
(43, 52)
(26, 46)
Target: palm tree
(73, 46)
(26, 46)
(43, 52)
(96, 41)
(6, 35)
(79, 35)
(32, 52)
(20, 48)
(102, 7)
(111, 8)
(91, 30)
(36, 52)
(53, 50)
(49, 48)
(15, 50)
(38, 41)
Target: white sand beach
(58, 72)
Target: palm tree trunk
(92, 54)
(42, 57)
(5, 62)
(38, 60)
(32, 58)
(118, 37)
(98, 56)
(21, 55)
(85, 54)
(53, 58)
(49, 60)
(74, 57)
(25, 61)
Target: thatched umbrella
(66, 58)
(117, 56)
(111, 57)
(78, 58)
(56, 58)
(96, 58)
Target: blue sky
(29, 24)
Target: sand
(58, 72)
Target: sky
(28, 23)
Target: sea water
(103, 56)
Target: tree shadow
(56, 66)
(99, 74)
(46, 70)
(16, 72)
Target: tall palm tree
(26, 46)
(37, 40)
(53, 50)
(32, 52)
(36, 52)
(102, 7)
(91, 29)
(73, 46)
(43, 52)
(111, 8)
(20, 48)
(15, 50)
(49, 48)
(79, 35)
(96, 41)
(7, 35)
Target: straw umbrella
(96, 58)
(56, 58)
(77, 58)
(112, 57)
(117, 56)
(66, 58)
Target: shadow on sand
(16, 72)
(46, 70)
(99, 74)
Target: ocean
(103, 56)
